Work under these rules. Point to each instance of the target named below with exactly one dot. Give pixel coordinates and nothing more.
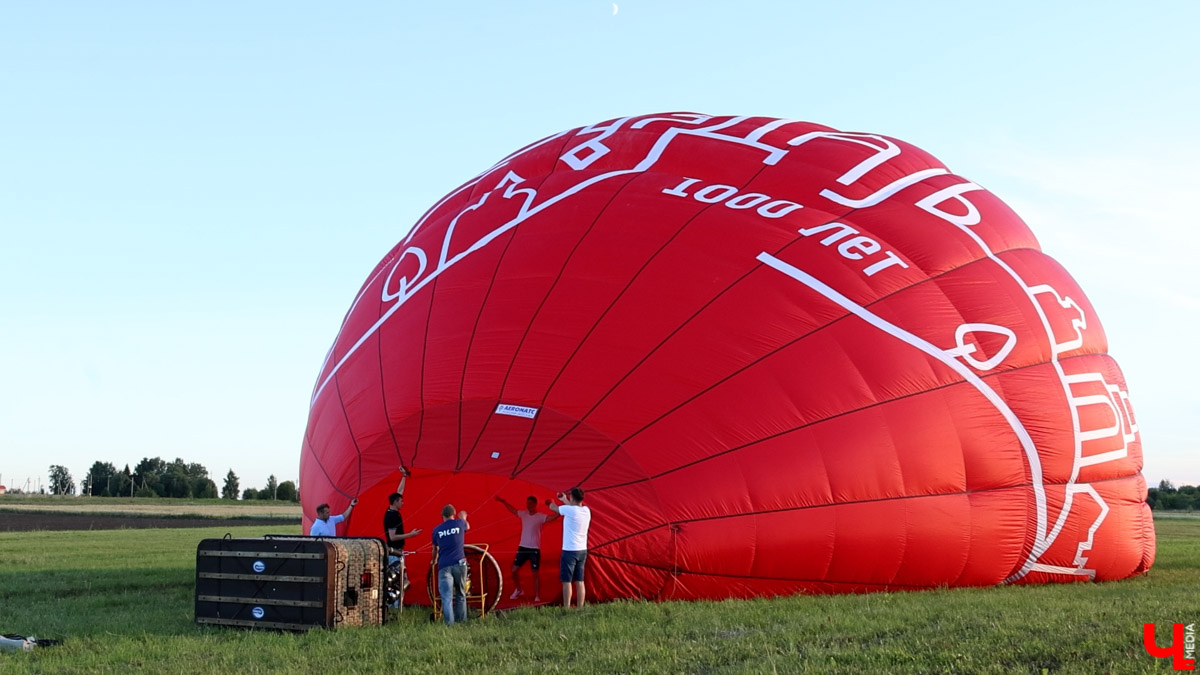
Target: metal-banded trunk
(290, 582)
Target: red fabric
(777, 357)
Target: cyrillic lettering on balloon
(889, 260)
(856, 248)
(842, 230)
(971, 217)
(767, 207)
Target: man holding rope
(394, 536)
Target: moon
(615, 8)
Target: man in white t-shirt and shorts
(576, 519)
(530, 548)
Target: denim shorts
(570, 566)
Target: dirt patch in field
(29, 521)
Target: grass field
(122, 600)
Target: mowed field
(39, 512)
(122, 600)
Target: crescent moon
(615, 8)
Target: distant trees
(1166, 497)
(183, 480)
(284, 492)
(287, 492)
(122, 483)
(204, 489)
(99, 480)
(61, 482)
(155, 477)
(148, 475)
(230, 491)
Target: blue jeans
(452, 581)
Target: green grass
(123, 601)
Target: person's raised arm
(346, 513)
(508, 506)
(462, 515)
(553, 507)
(403, 480)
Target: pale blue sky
(191, 194)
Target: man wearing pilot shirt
(452, 564)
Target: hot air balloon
(778, 357)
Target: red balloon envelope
(778, 358)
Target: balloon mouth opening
(492, 525)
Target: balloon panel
(778, 357)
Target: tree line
(155, 477)
(1166, 497)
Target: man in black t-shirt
(394, 535)
(393, 523)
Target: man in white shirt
(326, 525)
(530, 548)
(576, 519)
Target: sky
(191, 194)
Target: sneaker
(516, 594)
